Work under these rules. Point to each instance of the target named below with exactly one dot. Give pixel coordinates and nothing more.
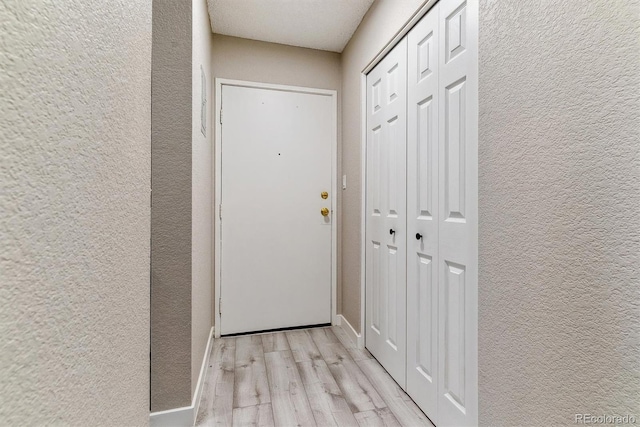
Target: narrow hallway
(455, 183)
(303, 377)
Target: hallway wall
(182, 261)
(559, 161)
(171, 209)
(242, 59)
(75, 98)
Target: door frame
(217, 177)
(403, 31)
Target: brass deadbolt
(324, 211)
(324, 195)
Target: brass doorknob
(324, 195)
(324, 211)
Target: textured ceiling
(316, 24)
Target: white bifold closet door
(385, 252)
(433, 279)
(442, 373)
(423, 214)
(458, 204)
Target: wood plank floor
(304, 377)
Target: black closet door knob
(418, 236)
(392, 231)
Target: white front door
(385, 250)
(423, 214)
(276, 157)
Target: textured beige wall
(559, 157)
(74, 212)
(201, 193)
(181, 297)
(171, 210)
(380, 24)
(242, 59)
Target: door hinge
(220, 211)
(221, 116)
(220, 306)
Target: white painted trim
(363, 207)
(217, 244)
(204, 369)
(355, 337)
(219, 82)
(185, 416)
(334, 210)
(179, 417)
(284, 88)
(422, 10)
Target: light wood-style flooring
(305, 377)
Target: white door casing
(275, 253)
(385, 251)
(458, 217)
(423, 213)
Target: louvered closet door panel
(458, 214)
(386, 213)
(423, 213)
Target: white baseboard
(185, 416)
(179, 417)
(355, 337)
(204, 369)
